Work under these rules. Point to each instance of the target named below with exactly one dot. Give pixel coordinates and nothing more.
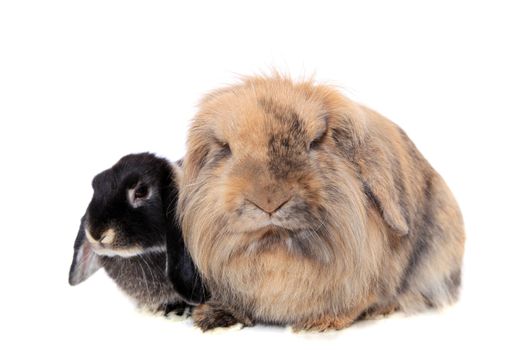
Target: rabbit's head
(274, 165)
(128, 214)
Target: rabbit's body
(127, 229)
(312, 210)
(143, 278)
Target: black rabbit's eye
(140, 192)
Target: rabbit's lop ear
(85, 261)
(182, 272)
(384, 186)
(177, 170)
(180, 268)
(357, 134)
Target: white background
(83, 83)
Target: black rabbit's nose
(108, 236)
(103, 237)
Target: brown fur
(361, 220)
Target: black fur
(177, 308)
(181, 270)
(148, 226)
(145, 225)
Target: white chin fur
(128, 252)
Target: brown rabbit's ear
(383, 186)
(380, 191)
(197, 147)
(353, 135)
(85, 261)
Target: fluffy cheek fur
(285, 275)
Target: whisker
(145, 279)
(156, 280)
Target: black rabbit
(127, 229)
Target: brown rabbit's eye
(140, 192)
(317, 141)
(320, 136)
(225, 149)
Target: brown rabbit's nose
(269, 202)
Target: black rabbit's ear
(180, 269)
(182, 272)
(177, 170)
(85, 261)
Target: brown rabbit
(301, 207)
